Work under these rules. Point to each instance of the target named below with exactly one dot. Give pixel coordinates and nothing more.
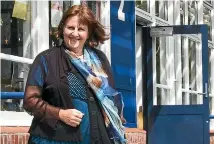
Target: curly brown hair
(97, 32)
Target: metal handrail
(12, 95)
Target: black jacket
(55, 92)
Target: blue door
(177, 100)
(122, 17)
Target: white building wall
(139, 67)
(105, 20)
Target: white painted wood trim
(105, 20)
(154, 71)
(15, 58)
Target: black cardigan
(56, 93)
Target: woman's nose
(75, 32)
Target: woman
(69, 87)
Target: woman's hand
(71, 117)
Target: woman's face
(75, 34)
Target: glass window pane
(191, 80)
(192, 98)
(207, 20)
(211, 59)
(211, 105)
(144, 5)
(192, 12)
(162, 95)
(161, 71)
(161, 9)
(12, 80)
(182, 12)
(208, 1)
(161, 60)
(92, 5)
(158, 60)
(209, 68)
(192, 65)
(16, 30)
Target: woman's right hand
(71, 117)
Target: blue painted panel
(123, 45)
(178, 109)
(123, 56)
(177, 129)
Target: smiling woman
(73, 99)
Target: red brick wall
(19, 135)
(211, 137)
(136, 136)
(20, 138)
(14, 135)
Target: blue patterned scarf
(110, 100)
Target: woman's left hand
(71, 117)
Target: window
(144, 5)
(182, 12)
(192, 13)
(161, 71)
(191, 71)
(16, 49)
(211, 60)
(161, 9)
(12, 80)
(24, 35)
(208, 2)
(178, 74)
(207, 20)
(15, 31)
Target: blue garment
(78, 91)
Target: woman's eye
(70, 28)
(81, 29)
